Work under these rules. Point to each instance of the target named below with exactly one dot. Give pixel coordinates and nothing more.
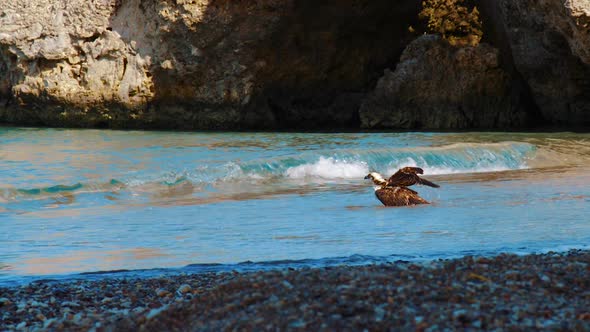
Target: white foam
(329, 168)
(565, 248)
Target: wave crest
(329, 168)
(314, 167)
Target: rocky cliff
(272, 64)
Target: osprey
(395, 191)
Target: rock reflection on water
(81, 261)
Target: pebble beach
(506, 292)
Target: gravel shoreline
(506, 292)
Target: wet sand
(506, 292)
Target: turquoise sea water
(75, 201)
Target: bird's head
(376, 178)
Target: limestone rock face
(548, 43)
(438, 86)
(577, 30)
(60, 56)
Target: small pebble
(70, 304)
(183, 289)
(162, 292)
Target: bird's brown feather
(398, 196)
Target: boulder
(439, 86)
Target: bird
(396, 193)
(408, 176)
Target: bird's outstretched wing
(408, 176)
(399, 196)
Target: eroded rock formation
(271, 64)
(438, 86)
(64, 66)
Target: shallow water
(96, 200)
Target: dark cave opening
(326, 55)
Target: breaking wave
(455, 158)
(310, 167)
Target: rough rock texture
(579, 39)
(548, 44)
(270, 64)
(436, 85)
(194, 64)
(61, 64)
(539, 73)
